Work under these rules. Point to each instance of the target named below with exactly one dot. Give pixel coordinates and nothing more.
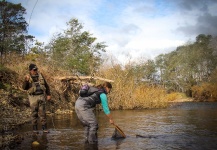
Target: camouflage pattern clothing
(37, 88)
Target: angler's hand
(111, 121)
(27, 77)
(48, 97)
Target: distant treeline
(191, 68)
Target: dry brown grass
(205, 92)
(130, 93)
(175, 96)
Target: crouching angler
(38, 92)
(89, 98)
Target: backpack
(87, 90)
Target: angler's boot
(44, 128)
(35, 129)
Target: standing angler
(37, 89)
(84, 109)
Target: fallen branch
(67, 78)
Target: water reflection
(184, 126)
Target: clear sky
(131, 28)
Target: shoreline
(182, 100)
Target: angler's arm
(105, 107)
(26, 83)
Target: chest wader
(37, 100)
(84, 107)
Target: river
(188, 125)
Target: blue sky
(132, 29)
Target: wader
(37, 88)
(37, 101)
(37, 104)
(86, 115)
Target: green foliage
(13, 29)
(188, 65)
(149, 70)
(37, 53)
(76, 50)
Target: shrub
(205, 92)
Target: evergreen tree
(13, 29)
(76, 50)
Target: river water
(189, 126)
